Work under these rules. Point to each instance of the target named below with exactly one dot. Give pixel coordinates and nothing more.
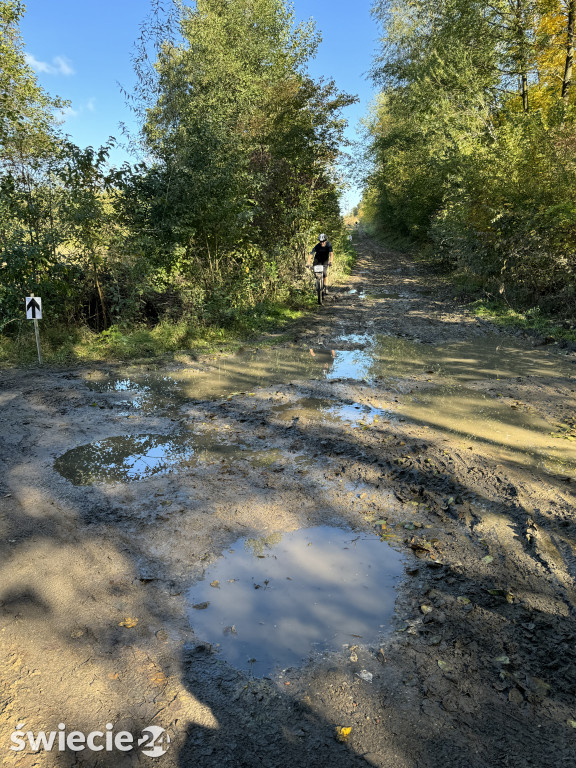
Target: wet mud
(398, 489)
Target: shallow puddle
(454, 405)
(131, 458)
(353, 414)
(147, 392)
(481, 358)
(507, 433)
(374, 357)
(274, 601)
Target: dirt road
(395, 415)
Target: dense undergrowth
(472, 148)
(265, 322)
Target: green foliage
(209, 235)
(460, 160)
(245, 143)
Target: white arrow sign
(33, 308)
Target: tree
(472, 140)
(29, 144)
(243, 141)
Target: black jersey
(322, 252)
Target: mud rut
(484, 675)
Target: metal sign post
(34, 312)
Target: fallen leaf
(571, 723)
(343, 733)
(488, 559)
(201, 606)
(419, 546)
(128, 622)
(426, 608)
(215, 584)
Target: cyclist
(323, 254)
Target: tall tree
(28, 147)
(244, 140)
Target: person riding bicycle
(323, 254)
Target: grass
(66, 345)
(502, 314)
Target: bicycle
(319, 275)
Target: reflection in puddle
(354, 414)
(271, 602)
(132, 458)
(148, 392)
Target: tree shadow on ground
(75, 569)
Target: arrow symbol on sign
(33, 305)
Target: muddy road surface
(358, 549)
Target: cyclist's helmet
(322, 237)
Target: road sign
(33, 308)
(34, 312)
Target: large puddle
(135, 457)
(274, 602)
(372, 358)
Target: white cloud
(66, 114)
(63, 65)
(60, 65)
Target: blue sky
(82, 50)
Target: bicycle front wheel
(320, 288)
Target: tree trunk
(567, 79)
(522, 52)
(524, 90)
(100, 294)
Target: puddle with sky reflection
(130, 458)
(374, 357)
(272, 602)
